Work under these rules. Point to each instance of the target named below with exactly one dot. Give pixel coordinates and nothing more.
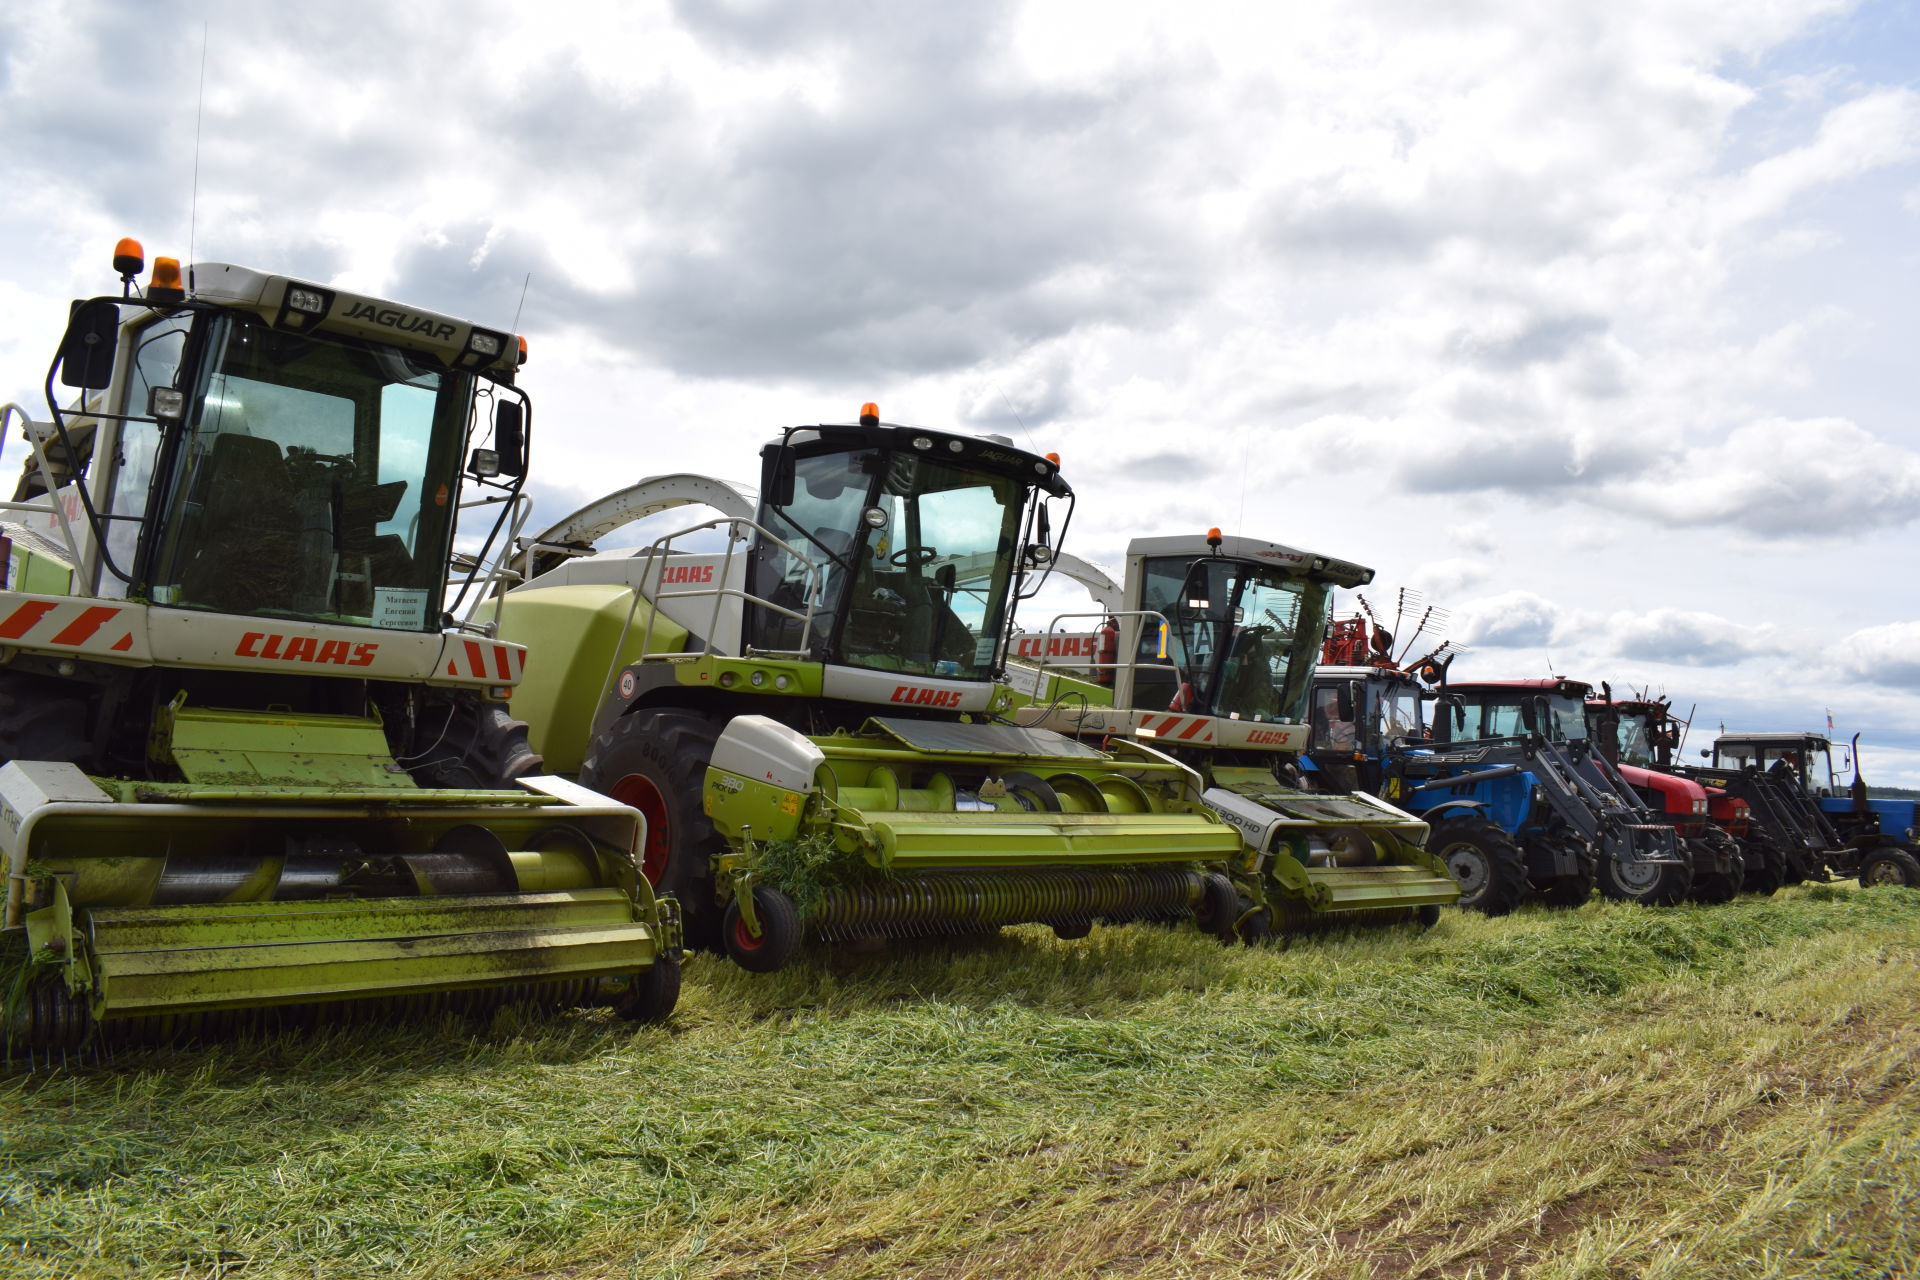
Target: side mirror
(510, 437)
(87, 350)
(1042, 528)
(778, 489)
(1704, 753)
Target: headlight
(1700, 806)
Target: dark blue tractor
(1851, 834)
(1372, 729)
(1504, 774)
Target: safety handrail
(8, 412)
(656, 556)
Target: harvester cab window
(157, 352)
(822, 522)
(1234, 634)
(908, 611)
(897, 541)
(309, 483)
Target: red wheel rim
(638, 790)
(743, 940)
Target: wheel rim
(1636, 876)
(1467, 865)
(1884, 871)
(638, 790)
(744, 940)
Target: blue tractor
(1516, 800)
(1857, 835)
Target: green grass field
(1699, 1092)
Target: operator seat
(238, 538)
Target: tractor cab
(895, 549)
(1803, 761)
(1634, 732)
(1360, 714)
(1550, 708)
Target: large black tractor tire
(656, 761)
(1564, 890)
(471, 744)
(1766, 865)
(1716, 886)
(1889, 865)
(1485, 862)
(1660, 884)
(42, 719)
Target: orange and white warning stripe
(487, 661)
(79, 626)
(1194, 731)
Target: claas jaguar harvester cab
(250, 762)
(1208, 653)
(804, 697)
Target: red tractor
(1639, 737)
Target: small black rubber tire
(656, 760)
(1219, 908)
(1495, 875)
(1071, 930)
(1889, 866)
(1257, 929)
(779, 932)
(652, 993)
(1426, 917)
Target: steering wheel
(913, 556)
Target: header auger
(813, 681)
(249, 762)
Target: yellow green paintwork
(894, 807)
(1403, 873)
(577, 637)
(253, 748)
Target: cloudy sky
(1595, 323)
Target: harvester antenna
(1016, 416)
(1246, 456)
(199, 109)
(515, 326)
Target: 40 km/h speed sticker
(627, 684)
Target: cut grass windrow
(1697, 1092)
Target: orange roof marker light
(869, 414)
(523, 348)
(1213, 539)
(1054, 458)
(164, 285)
(129, 259)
